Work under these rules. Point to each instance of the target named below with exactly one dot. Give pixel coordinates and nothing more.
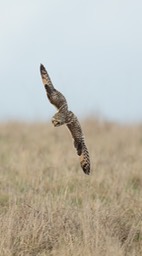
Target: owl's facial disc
(56, 122)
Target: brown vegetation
(49, 207)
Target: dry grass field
(49, 207)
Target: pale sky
(92, 50)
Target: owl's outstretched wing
(79, 143)
(63, 116)
(55, 97)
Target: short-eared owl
(64, 116)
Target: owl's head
(58, 119)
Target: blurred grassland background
(48, 206)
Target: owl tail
(46, 80)
(85, 160)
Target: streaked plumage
(64, 116)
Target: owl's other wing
(79, 143)
(55, 97)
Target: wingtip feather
(42, 67)
(86, 169)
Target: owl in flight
(64, 116)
